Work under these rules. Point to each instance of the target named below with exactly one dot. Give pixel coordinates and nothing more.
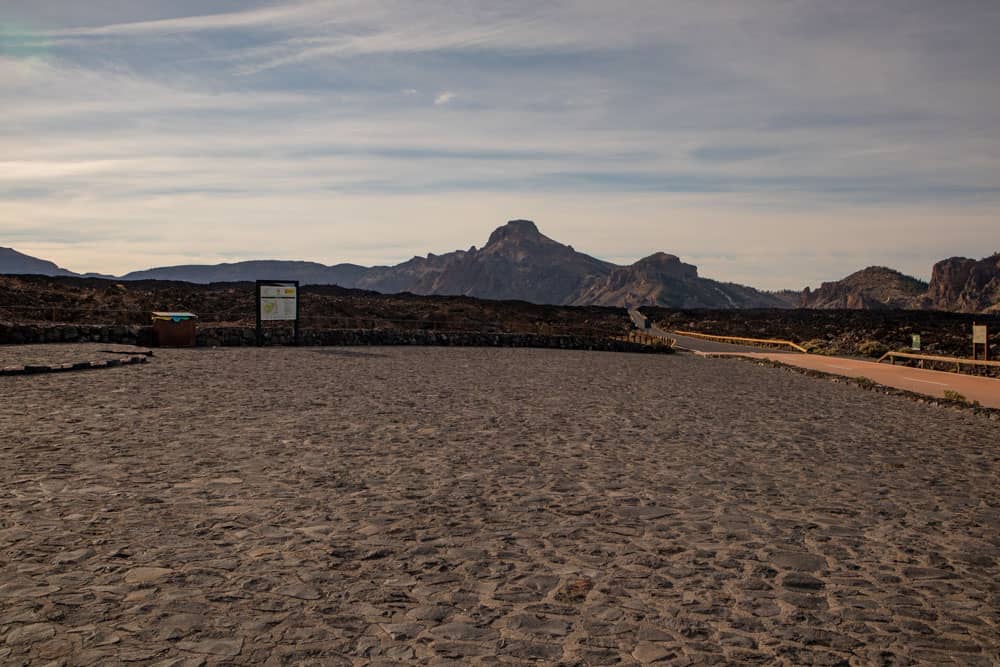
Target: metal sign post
(980, 337)
(277, 301)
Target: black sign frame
(260, 321)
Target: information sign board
(915, 345)
(277, 301)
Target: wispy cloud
(291, 13)
(444, 98)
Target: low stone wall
(16, 334)
(246, 336)
(237, 336)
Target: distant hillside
(874, 288)
(13, 262)
(305, 272)
(664, 280)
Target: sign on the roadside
(979, 337)
(277, 301)
(915, 344)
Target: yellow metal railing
(740, 340)
(958, 361)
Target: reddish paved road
(921, 381)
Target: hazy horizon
(774, 145)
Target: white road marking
(846, 368)
(942, 384)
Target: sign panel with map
(277, 301)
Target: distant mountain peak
(664, 265)
(659, 259)
(516, 230)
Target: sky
(777, 144)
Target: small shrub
(872, 348)
(865, 383)
(816, 346)
(953, 395)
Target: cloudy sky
(772, 143)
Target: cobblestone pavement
(489, 506)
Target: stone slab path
(383, 506)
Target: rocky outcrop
(874, 288)
(664, 280)
(644, 283)
(965, 285)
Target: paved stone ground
(489, 506)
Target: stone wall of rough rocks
(74, 333)
(246, 336)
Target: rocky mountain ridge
(965, 285)
(518, 262)
(873, 288)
